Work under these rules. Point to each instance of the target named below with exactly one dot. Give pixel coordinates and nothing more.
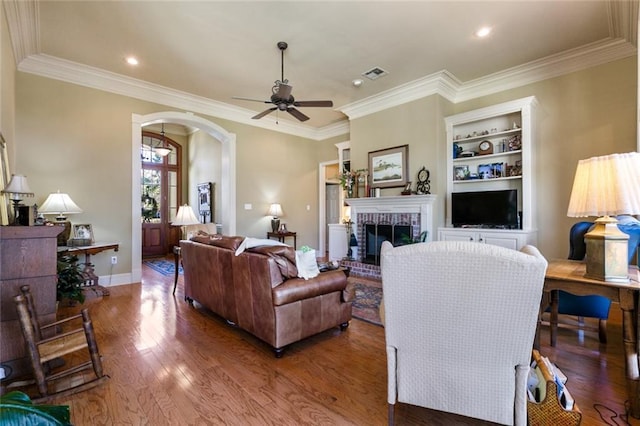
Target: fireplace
(377, 233)
(397, 219)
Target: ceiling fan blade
(252, 100)
(284, 91)
(313, 103)
(297, 114)
(263, 113)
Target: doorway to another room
(160, 188)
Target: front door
(160, 193)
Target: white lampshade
(18, 187)
(275, 210)
(606, 186)
(60, 204)
(185, 216)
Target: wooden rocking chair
(42, 350)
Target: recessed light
(357, 82)
(131, 60)
(483, 32)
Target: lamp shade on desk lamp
(60, 204)
(17, 189)
(606, 186)
(185, 217)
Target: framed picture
(83, 232)
(205, 201)
(389, 168)
(484, 171)
(460, 172)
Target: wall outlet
(114, 260)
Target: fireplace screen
(376, 234)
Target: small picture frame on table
(83, 234)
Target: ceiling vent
(375, 73)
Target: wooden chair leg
(92, 343)
(602, 330)
(30, 339)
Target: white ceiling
(215, 50)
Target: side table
(281, 236)
(88, 271)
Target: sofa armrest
(349, 293)
(296, 289)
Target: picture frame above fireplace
(389, 168)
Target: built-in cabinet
(492, 149)
(512, 239)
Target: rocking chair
(43, 350)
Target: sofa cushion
(285, 257)
(298, 289)
(222, 241)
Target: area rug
(367, 301)
(163, 266)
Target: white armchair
(460, 320)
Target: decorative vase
(350, 192)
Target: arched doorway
(227, 185)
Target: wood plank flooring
(173, 364)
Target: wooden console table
(568, 275)
(281, 236)
(88, 272)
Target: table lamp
(60, 204)
(275, 210)
(606, 186)
(184, 217)
(17, 190)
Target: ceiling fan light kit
(281, 95)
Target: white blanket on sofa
(249, 242)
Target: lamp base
(607, 252)
(275, 225)
(64, 236)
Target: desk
(281, 236)
(88, 272)
(568, 275)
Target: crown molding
(449, 87)
(96, 78)
(23, 19)
(572, 60)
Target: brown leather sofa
(259, 290)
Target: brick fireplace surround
(414, 210)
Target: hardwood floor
(173, 364)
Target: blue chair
(592, 306)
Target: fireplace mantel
(422, 204)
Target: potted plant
(70, 280)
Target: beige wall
(78, 140)
(202, 163)
(418, 124)
(583, 114)
(7, 87)
(580, 115)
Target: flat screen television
(487, 209)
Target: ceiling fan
(281, 96)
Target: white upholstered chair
(460, 320)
